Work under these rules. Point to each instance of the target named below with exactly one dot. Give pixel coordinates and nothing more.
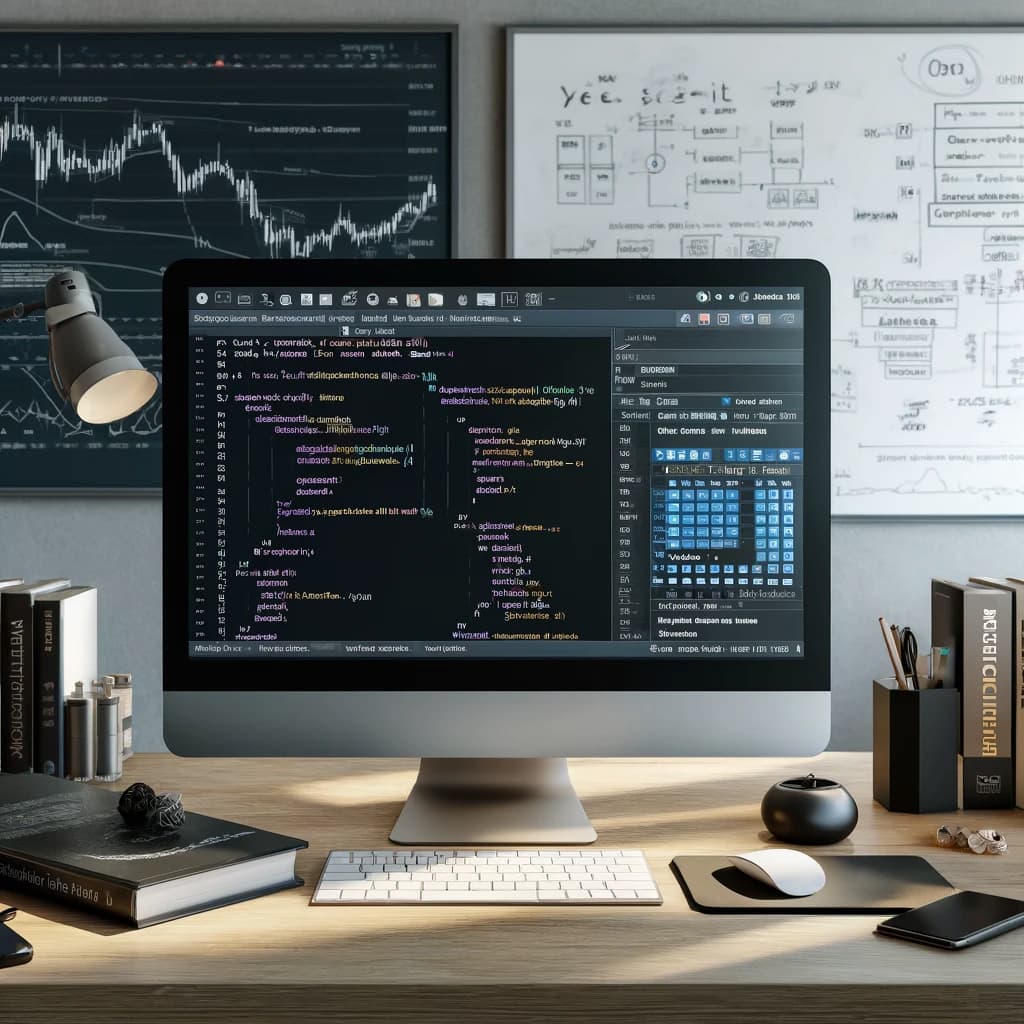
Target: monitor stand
(491, 801)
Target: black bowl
(809, 811)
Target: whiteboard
(896, 158)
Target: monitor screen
(515, 473)
(500, 473)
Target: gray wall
(877, 567)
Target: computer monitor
(491, 513)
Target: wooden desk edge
(536, 1004)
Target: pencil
(894, 653)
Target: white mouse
(789, 871)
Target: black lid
(808, 782)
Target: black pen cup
(915, 735)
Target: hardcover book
(66, 841)
(977, 625)
(5, 585)
(65, 636)
(948, 630)
(17, 658)
(1016, 588)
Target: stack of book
(67, 842)
(47, 645)
(982, 624)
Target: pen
(893, 651)
(908, 653)
(898, 644)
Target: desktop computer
(491, 513)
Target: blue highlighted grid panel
(696, 519)
(713, 521)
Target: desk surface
(279, 955)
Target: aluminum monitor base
(491, 801)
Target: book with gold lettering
(977, 624)
(1016, 588)
(66, 841)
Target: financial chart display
(510, 472)
(120, 154)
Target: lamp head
(90, 365)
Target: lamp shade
(91, 366)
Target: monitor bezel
(181, 672)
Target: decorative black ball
(136, 803)
(809, 811)
(167, 814)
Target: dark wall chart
(120, 154)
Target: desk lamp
(90, 366)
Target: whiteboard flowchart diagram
(896, 158)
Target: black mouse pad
(853, 885)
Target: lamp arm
(21, 309)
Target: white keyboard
(546, 876)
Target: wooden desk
(278, 959)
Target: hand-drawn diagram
(896, 158)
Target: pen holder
(915, 733)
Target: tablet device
(963, 919)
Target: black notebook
(66, 841)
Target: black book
(977, 624)
(17, 657)
(66, 841)
(1016, 591)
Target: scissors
(908, 654)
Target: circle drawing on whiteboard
(655, 163)
(949, 71)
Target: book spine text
(66, 886)
(988, 690)
(49, 710)
(16, 698)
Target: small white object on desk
(789, 871)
